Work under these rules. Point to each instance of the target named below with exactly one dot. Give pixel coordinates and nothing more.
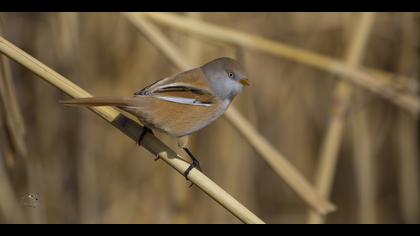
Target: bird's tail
(98, 101)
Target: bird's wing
(188, 87)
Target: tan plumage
(181, 104)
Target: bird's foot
(195, 164)
(143, 133)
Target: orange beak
(244, 82)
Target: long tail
(99, 101)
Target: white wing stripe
(187, 101)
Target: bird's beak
(244, 81)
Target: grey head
(226, 77)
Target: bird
(181, 104)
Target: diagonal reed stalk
(132, 129)
(276, 160)
(324, 175)
(373, 80)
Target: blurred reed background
(359, 148)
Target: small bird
(181, 104)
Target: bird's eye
(231, 75)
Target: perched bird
(184, 103)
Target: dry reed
(407, 134)
(324, 176)
(10, 206)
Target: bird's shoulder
(193, 79)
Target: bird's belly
(177, 119)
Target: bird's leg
(141, 137)
(143, 133)
(195, 163)
(183, 143)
